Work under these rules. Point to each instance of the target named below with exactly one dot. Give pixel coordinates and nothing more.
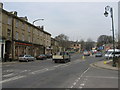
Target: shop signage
(23, 44)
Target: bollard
(83, 57)
(105, 62)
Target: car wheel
(65, 61)
(55, 61)
(27, 60)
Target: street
(46, 74)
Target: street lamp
(110, 9)
(37, 20)
(32, 31)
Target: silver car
(26, 58)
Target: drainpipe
(12, 38)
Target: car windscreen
(109, 52)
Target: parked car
(61, 57)
(48, 55)
(86, 53)
(98, 54)
(110, 53)
(26, 58)
(41, 57)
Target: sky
(77, 20)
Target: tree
(89, 44)
(82, 42)
(63, 41)
(104, 39)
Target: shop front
(22, 48)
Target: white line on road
(11, 79)
(80, 87)
(82, 84)
(74, 83)
(24, 71)
(8, 75)
(84, 72)
(8, 70)
(71, 87)
(101, 77)
(80, 78)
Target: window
(29, 38)
(9, 21)
(23, 25)
(23, 38)
(29, 29)
(17, 23)
(16, 36)
(8, 32)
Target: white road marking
(80, 78)
(7, 65)
(57, 65)
(24, 71)
(8, 70)
(74, 83)
(80, 87)
(8, 75)
(102, 77)
(84, 72)
(76, 80)
(82, 84)
(71, 87)
(11, 79)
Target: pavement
(105, 65)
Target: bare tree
(63, 41)
(89, 44)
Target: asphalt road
(46, 74)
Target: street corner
(104, 65)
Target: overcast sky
(78, 20)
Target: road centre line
(80, 77)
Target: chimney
(14, 13)
(24, 18)
(1, 5)
(41, 27)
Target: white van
(110, 53)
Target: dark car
(49, 55)
(98, 54)
(41, 57)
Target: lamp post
(32, 32)
(110, 9)
(37, 20)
